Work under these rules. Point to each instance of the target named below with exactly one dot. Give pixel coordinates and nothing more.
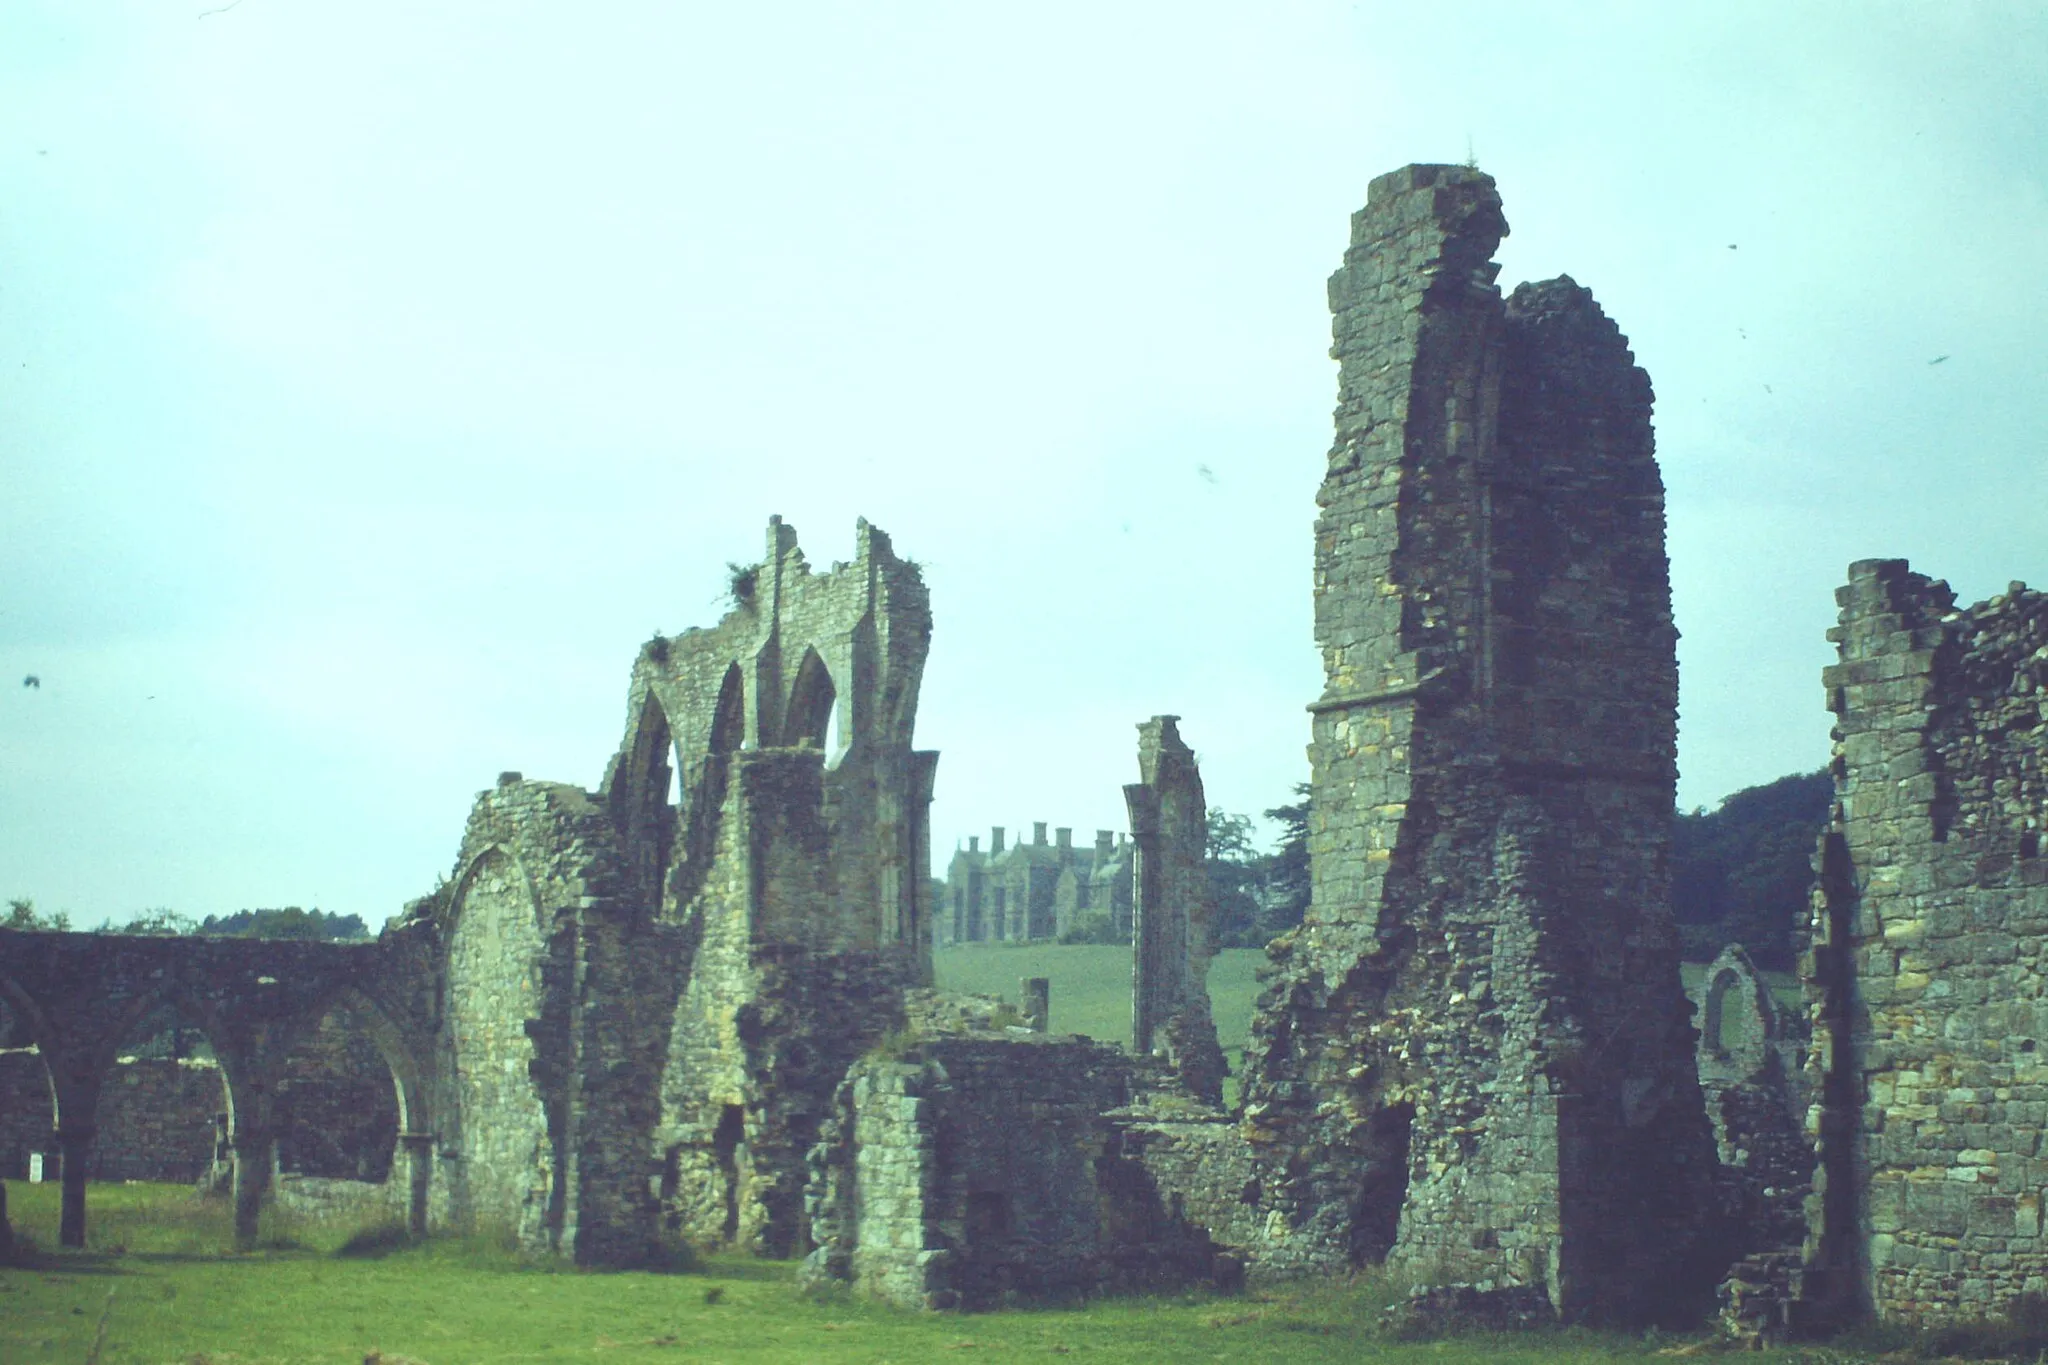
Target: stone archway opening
(28, 1102)
(166, 1108)
(1731, 1028)
(728, 1146)
(338, 1103)
(1376, 1214)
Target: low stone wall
(973, 1172)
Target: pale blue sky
(374, 377)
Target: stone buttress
(1473, 1060)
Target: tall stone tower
(1474, 1058)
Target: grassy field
(170, 1295)
(159, 1274)
(1091, 987)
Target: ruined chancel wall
(1474, 1058)
(793, 865)
(648, 992)
(1931, 1031)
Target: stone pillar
(1037, 1003)
(255, 1154)
(1171, 920)
(419, 1173)
(1146, 916)
(74, 1141)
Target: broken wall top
(798, 650)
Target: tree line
(288, 921)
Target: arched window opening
(728, 1148)
(493, 1110)
(729, 720)
(1376, 1217)
(337, 1104)
(810, 721)
(164, 1107)
(1731, 1025)
(28, 1102)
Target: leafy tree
(287, 922)
(1259, 895)
(1236, 873)
(1287, 882)
(1743, 873)
(158, 921)
(22, 914)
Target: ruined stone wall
(337, 1105)
(27, 1111)
(1927, 969)
(1751, 1058)
(979, 1171)
(793, 869)
(1474, 1059)
(827, 661)
(549, 959)
(158, 1120)
(1173, 912)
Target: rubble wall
(793, 869)
(1751, 1060)
(981, 1171)
(1474, 1059)
(157, 1120)
(541, 1130)
(1927, 966)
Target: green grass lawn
(171, 1295)
(179, 1296)
(1091, 987)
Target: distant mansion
(1037, 890)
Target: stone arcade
(697, 1000)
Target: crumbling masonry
(1173, 914)
(1930, 1057)
(625, 1015)
(696, 1000)
(1474, 1058)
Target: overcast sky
(375, 377)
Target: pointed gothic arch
(807, 721)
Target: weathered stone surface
(1750, 1058)
(974, 1171)
(608, 977)
(1926, 971)
(794, 869)
(1173, 912)
(1474, 1060)
(78, 996)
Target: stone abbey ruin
(632, 1015)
